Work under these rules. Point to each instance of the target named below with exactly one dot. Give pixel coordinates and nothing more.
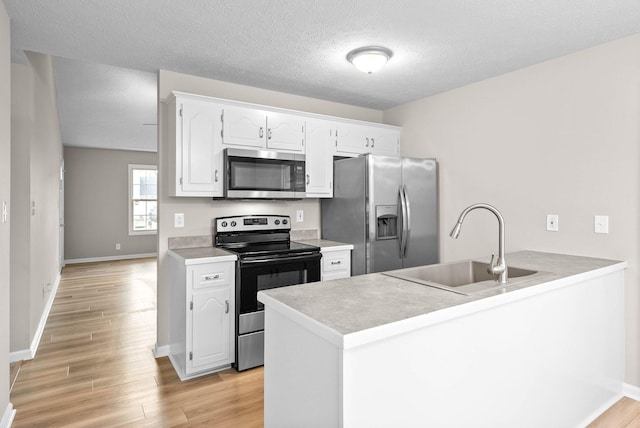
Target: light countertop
(354, 310)
(326, 245)
(214, 254)
(202, 255)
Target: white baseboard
(161, 351)
(7, 417)
(631, 391)
(29, 354)
(110, 258)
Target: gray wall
(5, 196)
(96, 204)
(35, 167)
(561, 137)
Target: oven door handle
(283, 259)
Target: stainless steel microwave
(261, 174)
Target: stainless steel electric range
(267, 258)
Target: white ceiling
(299, 46)
(103, 106)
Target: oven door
(262, 274)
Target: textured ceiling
(102, 106)
(299, 46)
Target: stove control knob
(285, 221)
(223, 224)
(233, 223)
(277, 222)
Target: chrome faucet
(496, 267)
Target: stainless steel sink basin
(464, 277)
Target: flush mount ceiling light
(369, 59)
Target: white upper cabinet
(319, 158)
(260, 129)
(201, 127)
(244, 127)
(285, 132)
(385, 141)
(354, 138)
(196, 160)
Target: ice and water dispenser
(386, 222)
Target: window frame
(133, 167)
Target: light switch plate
(601, 224)
(299, 215)
(178, 220)
(552, 222)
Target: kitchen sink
(464, 277)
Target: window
(143, 199)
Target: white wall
(21, 124)
(35, 181)
(560, 137)
(200, 212)
(5, 196)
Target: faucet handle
(496, 267)
(492, 264)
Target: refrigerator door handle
(405, 219)
(407, 225)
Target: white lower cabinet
(335, 264)
(202, 317)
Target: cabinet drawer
(336, 264)
(212, 274)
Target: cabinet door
(285, 132)
(211, 320)
(201, 163)
(319, 159)
(352, 138)
(385, 141)
(244, 127)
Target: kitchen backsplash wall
(179, 242)
(199, 214)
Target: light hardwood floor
(95, 367)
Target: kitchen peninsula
(378, 351)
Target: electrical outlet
(552, 222)
(299, 215)
(117, 246)
(178, 220)
(601, 224)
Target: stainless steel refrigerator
(387, 207)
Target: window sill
(143, 232)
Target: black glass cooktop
(271, 248)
